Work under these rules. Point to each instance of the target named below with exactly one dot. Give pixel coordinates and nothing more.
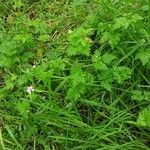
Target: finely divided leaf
(144, 56)
(144, 117)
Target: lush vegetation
(74, 74)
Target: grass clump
(74, 75)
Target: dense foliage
(74, 74)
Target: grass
(74, 75)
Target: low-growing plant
(74, 75)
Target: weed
(74, 75)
